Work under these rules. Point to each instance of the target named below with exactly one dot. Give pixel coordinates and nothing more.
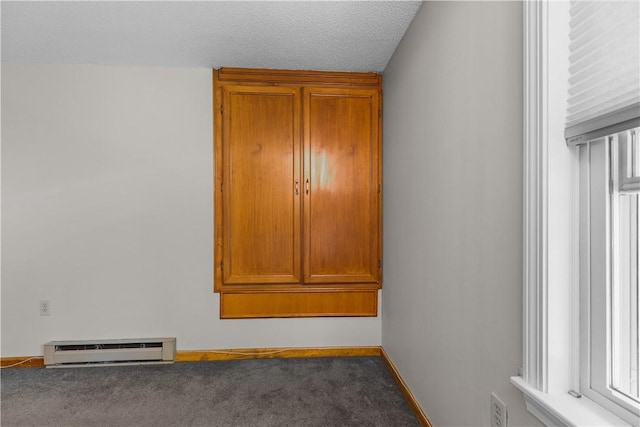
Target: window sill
(564, 410)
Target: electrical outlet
(45, 308)
(498, 412)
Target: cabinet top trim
(297, 76)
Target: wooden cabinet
(297, 193)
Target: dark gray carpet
(346, 391)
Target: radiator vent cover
(60, 354)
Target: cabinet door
(262, 158)
(342, 164)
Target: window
(581, 339)
(609, 187)
(624, 261)
(603, 108)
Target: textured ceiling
(324, 35)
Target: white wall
(107, 213)
(452, 305)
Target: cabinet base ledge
(298, 304)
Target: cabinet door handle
(297, 192)
(307, 186)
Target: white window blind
(604, 71)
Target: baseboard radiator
(60, 354)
